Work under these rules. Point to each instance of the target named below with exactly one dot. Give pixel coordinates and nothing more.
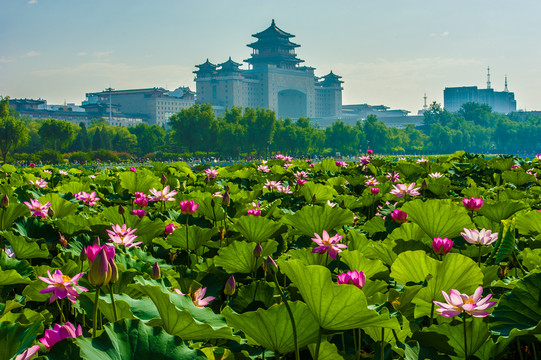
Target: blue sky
(388, 52)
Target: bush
(50, 157)
(79, 156)
(103, 155)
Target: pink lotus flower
(312, 165)
(287, 165)
(285, 189)
(92, 251)
(32, 165)
(28, 353)
(393, 176)
(301, 174)
(279, 156)
(442, 246)
(230, 286)
(211, 173)
(199, 299)
(40, 183)
(374, 190)
(254, 212)
(188, 207)
(473, 204)
(141, 199)
(263, 168)
(401, 190)
(133, 168)
(328, 244)
(422, 161)
(60, 332)
(357, 278)
(164, 195)
(169, 228)
(121, 235)
(369, 151)
(88, 199)
(371, 181)
(37, 209)
(62, 172)
(301, 182)
(331, 204)
(364, 159)
(435, 175)
(399, 216)
(515, 167)
(62, 286)
(341, 163)
(139, 212)
(272, 184)
(458, 303)
(483, 237)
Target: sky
(388, 52)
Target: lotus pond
(382, 258)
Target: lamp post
(110, 91)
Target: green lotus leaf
(315, 219)
(409, 231)
(518, 177)
(374, 225)
(213, 213)
(321, 192)
(272, 328)
(8, 168)
(25, 249)
(12, 212)
(336, 181)
(501, 210)
(73, 187)
(327, 351)
(308, 257)
(256, 228)
(239, 257)
(439, 186)
(413, 266)
(327, 165)
(140, 181)
(519, 309)
(181, 322)
(531, 258)
(449, 339)
(501, 164)
(408, 170)
(336, 307)
(60, 206)
(438, 218)
(132, 339)
(12, 277)
(197, 237)
(16, 338)
(529, 223)
(72, 224)
(357, 261)
(258, 292)
(505, 245)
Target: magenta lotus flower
(287, 165)
(133, 168)
(254, 212)
(457, 303)
(483, 237)
(92, 251)
(169, 228)
(263, 168)
(28, 353)
(211, 173)
(301, 174)
(341, 163)
(393, 176)
(199, 299)
(364, 159)
(60, 332)
(374, 190)
(401, 190)
(399, 216)
(188, 207)
(328, 244)
(301, 182)
(357, 278)
(312, 165)
(141, 199)
(230, 286)
(88, 199)
(139, 212)
(62, 286)
(121, 235)
(285, 190)
(369, 151)
(164, 195)
(32, 165)
(40, 183)
(442, 246)
(371, 181)
(37, 209)
(473, 204)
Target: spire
(425, 106)
(488, 78)
(506, 89)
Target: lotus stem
(519, 350)
(357, 352)
(534, 351)
(432, 314)
(465, 338)
(479, 259)
(382, 355)
(62, 317)
(318, 344)
(187, 239)
(113, 302)
(519, 264)
(343, 344)
(95, 316)
(284, 299)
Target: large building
(274, 80)
(500, 101)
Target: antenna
(488, 77)
(110, 91)
(425, 106)
(506, 89)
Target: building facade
(274, 80)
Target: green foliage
(315, 219)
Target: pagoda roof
(206, 65)
(272, 31)
(229, 64)
(273, 59)
(331, 78)
(272, 41)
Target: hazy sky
(388, 52)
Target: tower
(488, 78)
(425, 106)
(506, 89)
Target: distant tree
(377, 134)
(195, 128)
(124, 141)
(57, 133)
(82, 139)
(13, 133)
(97, 140)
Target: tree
(57, 133)
(13, 133)
(97, 140)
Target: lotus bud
(114, 271)
(155, 273)
(258, 251)
(424, 185)
(50, 212)
(83, 256)
(227, 188)
(271, 263)
(4, 202)
(314, 198)
(163, 180)
(9, 181)
(226, 200)
(212, 203)
(343, 204)
(100, 271)
(230, 286)
(121, 210)
(374, 190)
(97, 240)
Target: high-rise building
(500, 101)
(274, 80)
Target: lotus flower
(341, 163)
(483, 237)
(374, 190)
(139, 212)
(133, 168)
(254, 212)
(28, 353)
(164, 195)
(371, 181)
(121, 235)
(156, 272)
(101, 268)
(230, 286)
(169, 228)
(357, 278)
(422, 161)
(301, 174)
(458, 303)
(263, 168)
(369, 151)
(442, 246)
(300, 182)
(211, 173)
(364, 159)
(60, 332)
(40, 183)
(473, 204)
(258, 251)
(287, 165)
(37, 209)
(272, 184)
(328, 244)
(401, 190)
(285, 190)
(62, 286)
(92, 251)
(188, 207)
(393, 176)
(435, 175)
(141, 199)
(88, 199)
(399, 216)
(62, 172)
(199, 299)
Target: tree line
(257, 132)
